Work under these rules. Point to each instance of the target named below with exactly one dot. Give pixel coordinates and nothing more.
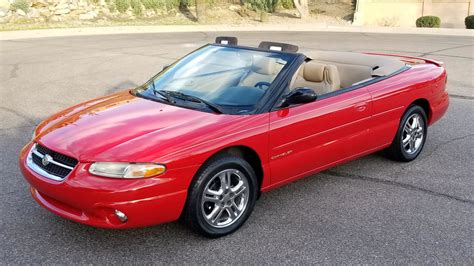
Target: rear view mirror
(299, 96)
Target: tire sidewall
(197, 188)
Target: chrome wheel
(413, 134)
(225, 198)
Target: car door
(309, 137)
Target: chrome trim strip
(37, 169)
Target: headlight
(126, 170)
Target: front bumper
(92, 200)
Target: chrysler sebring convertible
(203, 138)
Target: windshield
(220, 78)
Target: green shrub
(469, 21)
(136, 6)
(428, 22)
(112, 8)
(21, 4)
(287, 4)
(151, 4)
(122, 5)
(264, 5)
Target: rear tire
(221, 197)
(411, 135)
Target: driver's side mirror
(299, 95)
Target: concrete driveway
(371, 210)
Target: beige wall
(405, 12)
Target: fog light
(121, 216)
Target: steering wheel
(261, 85)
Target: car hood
(123, 127)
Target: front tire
(411, 135)
(221, 197)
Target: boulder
(62, 11)
(39, 4)
(34, 13)
(62, 6)
(234, 7)
(77, 12)
(44, 11)
(20, 12)
(88, 16)
(149, 13)
(56, 18)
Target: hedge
(469, 21)
(428, 22)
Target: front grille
(57, 164)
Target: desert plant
(263, 5)
(20, 4)
(287, 4)
(112, 8)
(151, 4)
(122, 5)
(469, 21)
(428, 22)
(136, 6)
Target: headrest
(264, 65)
(313, 72)
(332, 76)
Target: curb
(67, 32)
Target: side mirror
(299, 96)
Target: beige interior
(329, 71)
(319, 77)
(263, 69)
(382, 65)
(326, 71)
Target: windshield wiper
(164, 95)
(187, 97)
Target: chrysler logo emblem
(46, 159)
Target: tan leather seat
(263, 69)
(321, 78)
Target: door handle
(360, 107)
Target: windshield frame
(143, 90)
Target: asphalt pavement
(371, 210)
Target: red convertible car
(204, 137)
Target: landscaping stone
(62, 11)
(62, 6)
(88, 16)
(149, 13)
(56, 18)
(20, 12)
(39, 4)
(33, 13)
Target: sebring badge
(46, 159)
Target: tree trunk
(200, 9)
(302, 6)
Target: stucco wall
(405, 12)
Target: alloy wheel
(413, 134)
(225, 198)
